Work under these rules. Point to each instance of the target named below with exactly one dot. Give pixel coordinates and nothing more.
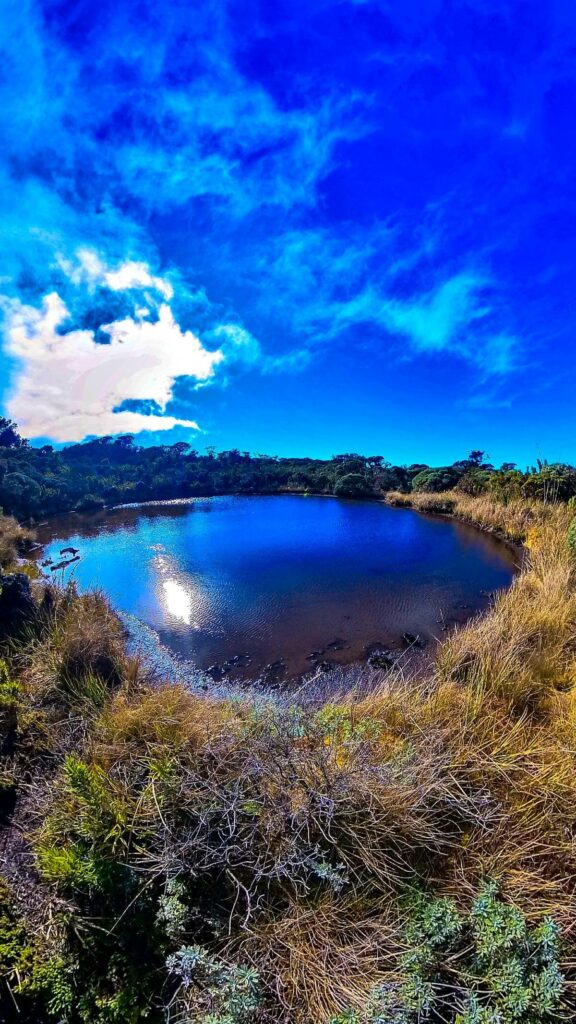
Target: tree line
(37, 482)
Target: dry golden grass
(12, 537)
(512, 520)
(325, 958)
(525, 647)
(77, 648)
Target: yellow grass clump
(12, 538)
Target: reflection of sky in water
(283, 576)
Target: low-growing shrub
(211, 990)
(486, 967)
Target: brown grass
(513, 520)
(325, 958)
(75, 651)
(12, 538)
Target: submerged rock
(336, 645)
(274, 670)
(216, 672)
(315, 655)
(379, 656)
(412, 640)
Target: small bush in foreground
(210, 990)
(12, 538)
(487, 967)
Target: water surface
(251, 581)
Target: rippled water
(288, 579)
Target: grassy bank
(512, 520)
(404, 856)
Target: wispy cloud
(457, 317)
(281, 203)
(89, 268)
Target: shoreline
(415, 659)
(517, 546)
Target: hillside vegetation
(407, 856)
(35, 482)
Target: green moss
(9, 688)
(15, 950)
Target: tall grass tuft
(12, 538)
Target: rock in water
(412, 640)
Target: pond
(246, 586)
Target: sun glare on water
(178, 601)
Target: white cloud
(433, 322)
(67, 385)
(136, 275)
(130, 274)
(239, 345)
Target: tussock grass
(512, 520)
(291, 839)
(525, 649)
(12, 538)
(78, 640)
(326, 957)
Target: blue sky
(291, 227)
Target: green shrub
(90, 503)
(435, 480)
(487, 967)
(474, 482)
(211, 991)
(352, 485)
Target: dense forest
(36, 482)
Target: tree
(353, 485)
(435, 480)
(9, 436)
(90, 503)
(477, 457)
(474, 481)
(555, 482)
(125, 441)
(19, 494)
